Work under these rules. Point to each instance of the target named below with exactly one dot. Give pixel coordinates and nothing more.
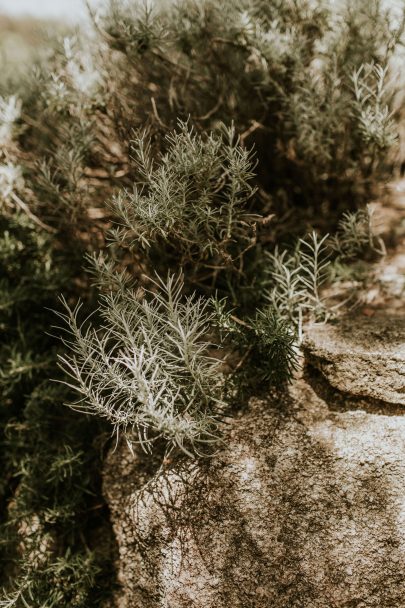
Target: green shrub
(304, 90)
(149, 369)
(49, 457)
(306, 82)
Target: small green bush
(207, 136)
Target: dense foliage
(50, 457)
(209, 164)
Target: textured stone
(302, 508)
(362, 356)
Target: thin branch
(31, 215)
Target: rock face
(303, 508)
(361, 356)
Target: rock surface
(303, 508)
(361, 356)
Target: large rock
(302, 508)
(361, 356)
